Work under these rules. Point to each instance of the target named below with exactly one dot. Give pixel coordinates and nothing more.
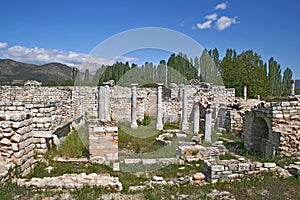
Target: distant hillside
(17, 73)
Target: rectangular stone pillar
(107, 103)
(196, 118)
(207, 133)
(159, 123)
(292, 87)
(133, 106)
(184, 117)
(101, 103)
(180, 91)
(245, 92)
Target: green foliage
(146, 121)
(209, 68)
(245, 69)
(286, 85)
(274, 77)
(73, 146)
(227, 156)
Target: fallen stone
(269, 165)
(199, 176)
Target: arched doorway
(259, 135)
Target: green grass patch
(227, 156)
(236, 136)
(136, 144)
(171, 125)
(73, 146)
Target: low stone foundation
(231, 169)
(73, 181)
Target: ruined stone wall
(273, 128)
(121, 103)
(286, 125)
(29, 117)
(232, 169)
(85, 101)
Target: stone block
(42, 134)
(5, 141)
(269, 165)
(148, 161)
(217, 168)
(116, 167)
(244, 167)
(132, 161)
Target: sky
(68, 31)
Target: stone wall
(232, 169)
(273, 128)
(85, 101)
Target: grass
(263, 187)
(227, 156)
(136, 144)
(236, 136)
(171, 125)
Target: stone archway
(259, 135)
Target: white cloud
(221, 6)
(3, 45)
(212, 17)
(225, 22)
(38, 55)
(204, 25)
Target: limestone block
(5, 141)
(244, 167)
(269, 165)
(16, 138)
(217, 168)
(15, 147)
(5, 125)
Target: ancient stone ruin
(32, 119)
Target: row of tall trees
(247, 68)
(233, 70)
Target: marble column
(107, 102)
(101, 103)
(196, 118)
(184, 117)
(180, 91)
(133, 106)
(159, 123)
(245, 92)
(292, 87)
(207, 133)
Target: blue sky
(68, 30)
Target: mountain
(17, 73)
